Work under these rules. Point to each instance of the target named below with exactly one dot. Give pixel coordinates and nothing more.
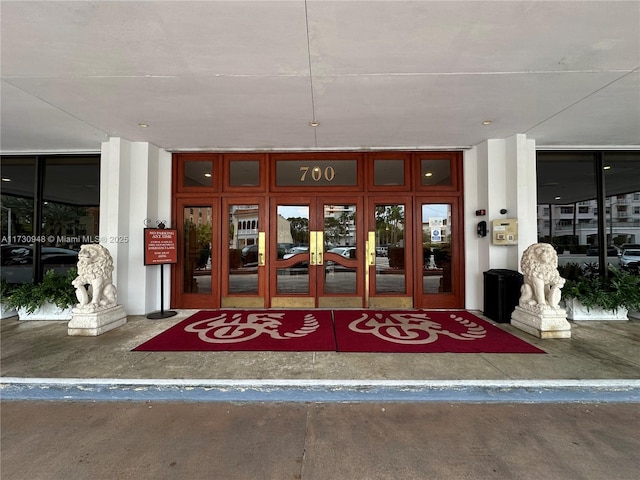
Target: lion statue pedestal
(97, 311)
(538, 312)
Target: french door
(316, 252)
(390, 241)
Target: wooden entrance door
(244, 253)
(316, 252)
(197, 272)
(439, 253)
(390, 248)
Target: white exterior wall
(498, 174)
(135, 185)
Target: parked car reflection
(611, 251)
(346, 252)
(295, 251)
(249, 254)
(630, 260)
(17, 261)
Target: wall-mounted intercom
(505, 231)
(482, 229)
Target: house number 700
(317, 173)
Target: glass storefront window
(69, 202)
(18, 175)
(568, 203)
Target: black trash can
(501, 293)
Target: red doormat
(422, 331)
(248, 330)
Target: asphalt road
(315, 441)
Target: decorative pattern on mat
(422, 331)
(288, 330)
(392, 331)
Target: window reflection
(391, 253)
(244, 173)
(568, 205)
(388, 172)
(197, 259)
(436, 248)
(198, 174)
(69, 209)
(435, 172)
(293, 243)
(339, 246)
(243, 249)
(18, 175)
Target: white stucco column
(498, 174)
(135, 184)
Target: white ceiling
(374, 74)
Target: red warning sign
(160, 246)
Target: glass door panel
(290, 228)
(340, 269)
(438, 255)
(198, 270)
(436, 248)
(243, 249)
(197, 262)
(389, 277)
(245, 258)
(339, 247)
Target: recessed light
(487, 122)
(6, 179)
(607, 167)
(428, 174)
(557, 198)
(208, 175)
(314, 123)
(143, 125)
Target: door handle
(319, 247)
(262, 245)
(312, 248)
(371, 249)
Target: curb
(320, 391)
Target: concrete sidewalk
(38, 356)
(597, 350)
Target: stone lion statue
(542, 282)
(94, 287)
